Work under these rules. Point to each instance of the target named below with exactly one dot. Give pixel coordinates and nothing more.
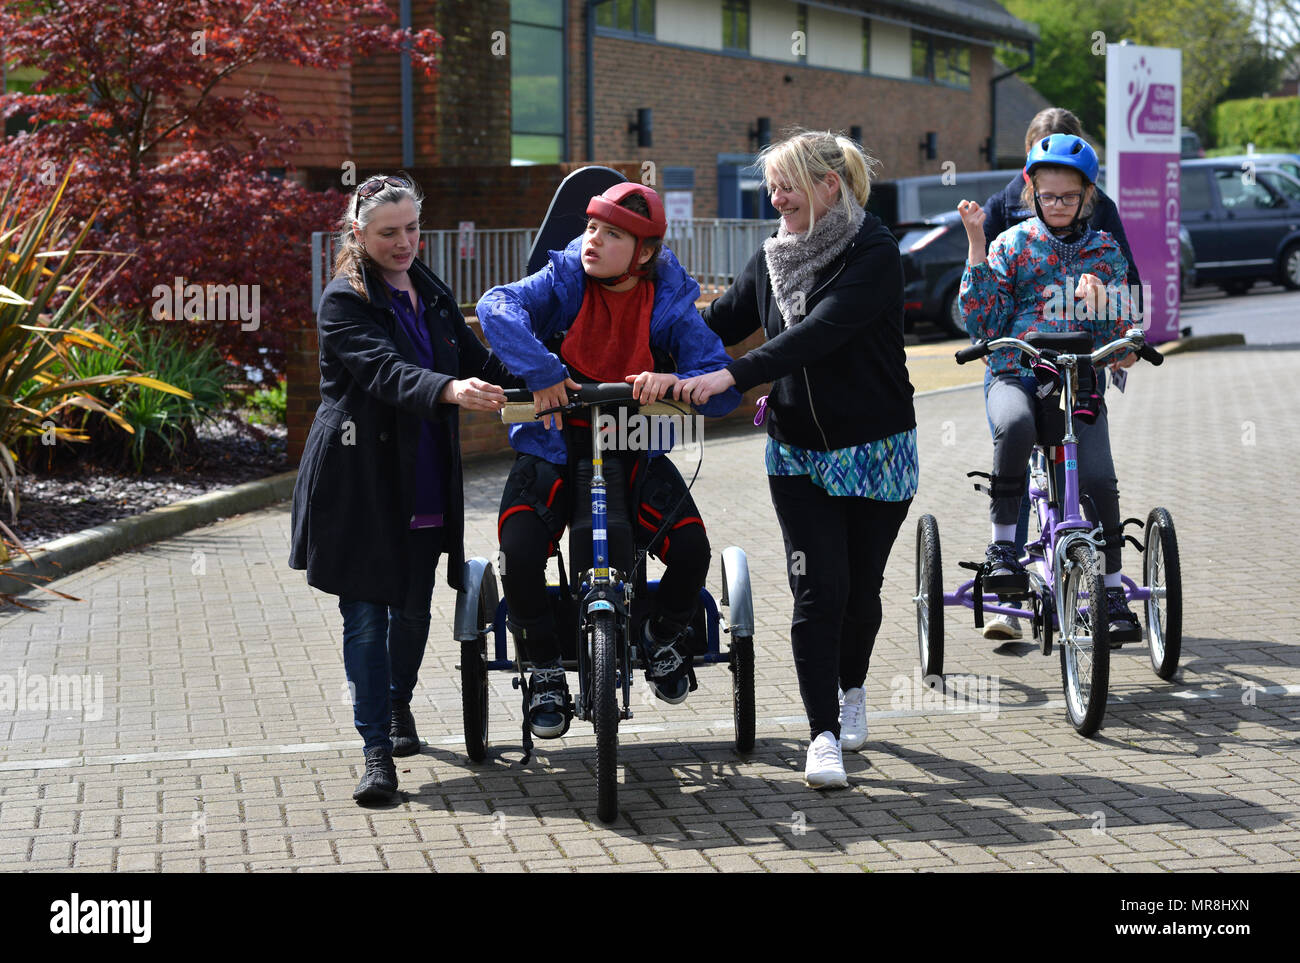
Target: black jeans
(836, 548)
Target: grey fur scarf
(795, 260)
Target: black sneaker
(548, 702)
(1003, 573)
(402, 730)
(379, 783)
(665, 666)
(1124, 625)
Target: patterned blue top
(887, 470)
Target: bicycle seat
(1062, 342)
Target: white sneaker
(853, 719)
(825, 766)
(1003, 628)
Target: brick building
(682, 90)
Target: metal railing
(713, 250)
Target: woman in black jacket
(827, 290)
(378, 495)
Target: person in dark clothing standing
(1006, 209)
(378, 496)
(841, 457)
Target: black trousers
(836, 548)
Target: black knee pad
(1006, 486)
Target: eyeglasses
(1060, 200)
(376, 184)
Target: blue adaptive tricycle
(599, 614)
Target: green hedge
(1270, 123)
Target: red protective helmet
(606, 207)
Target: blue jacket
(518, 318)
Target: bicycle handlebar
(1133, 339)
(518, 408)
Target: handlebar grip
(1148, 353)
(588, 394)
(976, 351)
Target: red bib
(610, 337)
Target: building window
(635, 17)
(537, 81)
(940, 60)
(735, 25)
(866, 45)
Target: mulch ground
(226, 453)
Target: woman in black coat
(841, 458)
(378, 495)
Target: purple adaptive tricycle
(1066, 592)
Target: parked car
(1244, 223)
(911, 200)
(934, 258)
(1191, 144)
(1286, 163)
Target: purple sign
(1149, 204)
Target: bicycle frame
(607, 590)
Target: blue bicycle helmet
(1064, 150)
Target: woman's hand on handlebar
(649, 386)
(556, 396)
(474, 395)
(698, 390)
(1126, 360)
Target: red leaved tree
(143, 100)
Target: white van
(909, 200)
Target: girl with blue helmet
(1051, 273)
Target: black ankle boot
(379, 782)
(402, 730)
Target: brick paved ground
(224, 740)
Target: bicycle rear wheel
(1164, 609)
(1085, 640)
(742, 690)
(929, 596)
(604, 704)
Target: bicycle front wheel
(1085, 640)
(604, 704)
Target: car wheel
(1289, 266)
(1237, 286)
(951, 320)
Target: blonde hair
(351, 258)
(805, 157)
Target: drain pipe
(408, 109)
(993, 106)
(589, 58)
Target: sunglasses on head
(376, 184)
